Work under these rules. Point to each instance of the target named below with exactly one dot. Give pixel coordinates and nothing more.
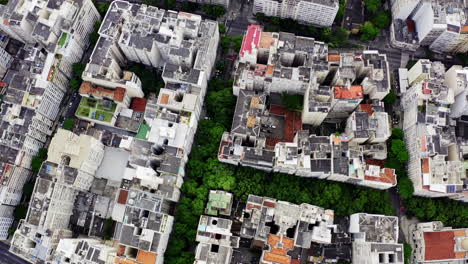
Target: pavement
(239, 17)
(8, 258)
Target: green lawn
(63, 39)
(143, 131)
(103, 116)
(94, 109)
(112, 107)
(83, 111)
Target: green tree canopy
(372, 5)
(382, 20)
(369, 31)
(214, 11)
(405, 186)
(397, 133)
(292, 101)
(102, 8)
(37, 160)
(222, 28)
(390, 98)
(68, 124)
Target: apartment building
(440, 25)
(179, 44)
(432, 242)
(433, 138)
(310, 12)
(224, 3)
(71, 163)
(281, 228)
(84, 251)
(143, 226)
(216, 241)
(375, 239)
(61, 27)
(5, 57)
(268, 136)
(6, 220)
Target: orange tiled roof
(439, 245)
(459, 233)
(425, 165)
(122, 197)
(164, 98)
(279, 251)
(333, 57)
(269, 204)
(277, 258)
(273, 240)
(270, 69)
(266, 40)
(117, 95)
(139, 104)
(146, 257)
(251, 121)
(288, 243)
(254, 102)
(122, 260)
(460, 255)
(387, 176)
(367, 108)
(352, 92)
(464, 29)
(423, 143)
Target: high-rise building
(434, 243)
(438, 24)
(267, 135)
(310, 12)
(435, 141)
(375, 239)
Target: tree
(260, 17)
(108, 229)
(398, 150)
(221, 104)
(222, 28)
(3, 2)
(151, 81)
(68, 124)
(338, 38)
(408, 251)
(369, 31)
(292, 102)
(405, 186)
(78, 69)
(382, 20)
(28, 190)
(102, 7)
(214, 11)
(37, 160)
(397, 133)
(94, 36)
(390, 98)
(410, 64)
(372, 5)
(340, 13)
(20, 212)
(75, 83)
(170, 4)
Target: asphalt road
(8, 258)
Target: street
(8, 258)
